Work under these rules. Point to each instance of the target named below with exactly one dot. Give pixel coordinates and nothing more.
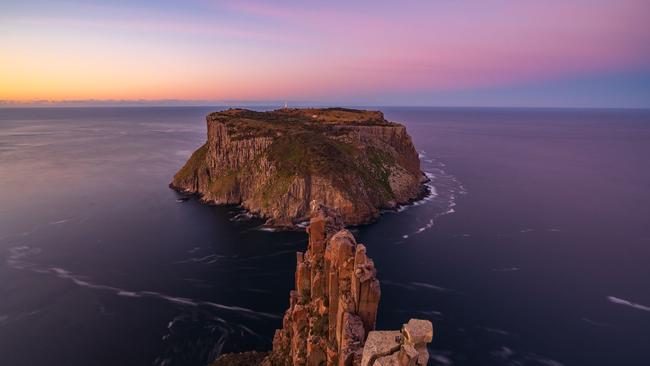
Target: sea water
(532, 248)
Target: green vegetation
(243, 123)
(194, 163)
(222, 185)
(380, 162)
(275, 187)
(310, 153)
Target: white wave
(242, 216)
(432, 195)
(553, 230)
(526, 230)
(240, 309)
(507, 269)
(548, 362)
(619, 301)
(504, 353)
(429, 286)
(59, 222)
(429, 225)
(127, 294)
(23, 251)
(495, 331)
(211, 258)
(431, 313)
(267, 229)
(18, 254)
(250, 331)
(441, 359)
(595, 323)
(303, 224)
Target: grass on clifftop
(243, 123)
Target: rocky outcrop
(407, 347)
(333, 309)
(334, 304)
(240, 359)
(275, 163)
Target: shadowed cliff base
(275, 163)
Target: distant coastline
(273, 104)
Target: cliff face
(275, 163)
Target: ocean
(533, 248)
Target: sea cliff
(275, 163)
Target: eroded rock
(326, 323)
(407, 347)
(333, 309)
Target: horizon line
(159, 103)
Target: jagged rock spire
(333, 309)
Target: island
(275, 163)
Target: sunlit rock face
(275, 163)
(334, 304)
(333, 309)
(407, 347)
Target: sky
(552, 53)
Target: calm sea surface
(534, 249)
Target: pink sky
(345, 52)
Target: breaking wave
(619, 301)
(17, 260)
(442, 192)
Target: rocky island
(275, 163)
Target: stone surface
(326, 324)
(407, 347)
(240, 359)
(379, 344)
(275, 163)
(418, 331)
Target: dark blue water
(533, 251)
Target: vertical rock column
(334, 305)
